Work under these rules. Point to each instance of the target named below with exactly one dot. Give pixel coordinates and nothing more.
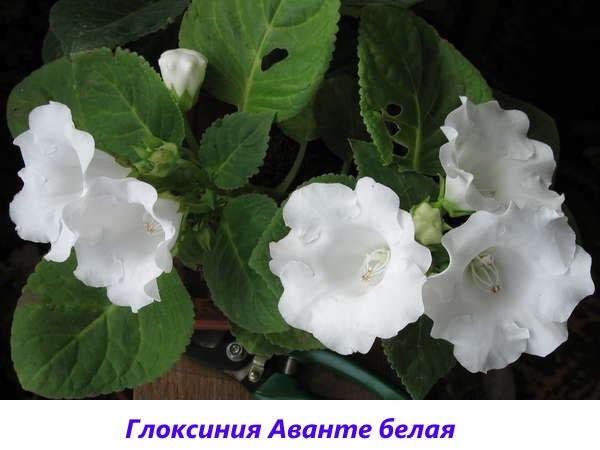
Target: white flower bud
(183, 70)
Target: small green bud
(428, 224)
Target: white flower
(513, 280)
(59, 160)
(124, 235)
(489, 160)
(183, 71)
(350, 267)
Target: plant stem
(190, 137)
(289, 178)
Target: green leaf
(239, 37)
(294, 340)
(337, 112)
(87, 24)
(236, 289)
(117, 97)
(412, 188)
(69, 341)
(541, 125)
(302, 128)
(256, 344)
(410, 79)
(234, 147)
(51, 48)
(260, 257)
(418, 359)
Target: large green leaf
(236, 288)
(337, 113)
(239, 37)
(410, 79)
(86, 24)
(234, 147)
(418, 359)
(69, 341)
(412, 188)
(117, 97)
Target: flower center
(374, 265)
(485, 273)
(152, 227)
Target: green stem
(289, 178)
(190, 137)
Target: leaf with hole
(410, 79)
(418, 359)
(234, 147)
(69, 341)
(264, 55)
(86, 24)
(117, 97)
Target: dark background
(542, 52)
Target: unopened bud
(183, 71)
(428, 224)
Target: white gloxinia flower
(490, 161)
(183, 70)
(350, 266)
(124, 235)
(513, 280)
(59, 161)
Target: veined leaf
(410, 79)
(234, 147)
(117, 97)
(87, 24)
(236, 289)
(418, 359)
(69, 341)
(264, 55)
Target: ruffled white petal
(328, 290)
(124, 234)
(543, 275)
(489, 160)
(56, 157)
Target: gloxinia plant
(133, 179)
